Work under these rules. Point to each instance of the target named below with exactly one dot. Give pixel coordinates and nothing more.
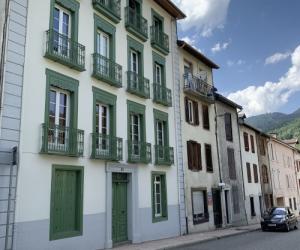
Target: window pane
(56, 19)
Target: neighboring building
(13, 16)
(265, 171)
(297, 169)
(282, 166)
(96, 154)
(233, 205)
(251, 172)
(201, 167)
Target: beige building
(200, 158)
(282, 167)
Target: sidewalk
(190, 239)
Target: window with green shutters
(159, 197)
(137, 84)
(164, 155)
(105, 67)
(159, 39)
(60, 134)
(161, 94)
(139, 151)
(66, 207)
(62, 37)
(105, 144)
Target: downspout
(2, 59)
(240, 147)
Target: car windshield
(277, 211)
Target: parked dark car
(279, 218)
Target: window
(252, 207)
(295, 204)
(159, 197)
(265, 174)
(158, 73)
(272, 151)
(291, 204)
(191, 111)
(60, 133)
(228, 126)
(199, 206)
(246, 141)
(66, 202)
(262, 148)
(252, 144)
(235, 198)
(208, 158)
(287, 181)
(255, 173)
(102, 126)
(61, 25)
(59, 113)
(135, 133)
(205, 116)
(248, 172)
(231, 163)
(194, 156)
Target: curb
(210, 239)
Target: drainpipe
(2, 59)
(240, 147)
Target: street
(253, 241)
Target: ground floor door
(217, 208)
(119, 207)
(227, 206)
(280, 202)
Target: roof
(291, 141)
(190, 49)
(225, 100)
(171, 8)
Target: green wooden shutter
(164, 196)
(153, 195)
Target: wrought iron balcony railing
(138, 85)
(159, 40)
(107, 70)
(162, 95)
(139, 152)
(164, 155)
(199, 88)
(63, 49)
(107, 147)
(62, 140)
(136, 23)
(109, 8)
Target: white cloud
(277, 57)
(239, 62)
(219, 46)
(270, 96)
(191, 41)
(203, 15)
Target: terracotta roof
(171, 8)
(190, 49)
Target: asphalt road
(253, 241)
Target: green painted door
(119, 207)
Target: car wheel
(287, 227)
(296, 226)
(263, 229)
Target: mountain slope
(271, 121)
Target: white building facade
(200, 158)
(251, 173)
(96, 163)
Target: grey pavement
(252, 241)
(191, 239)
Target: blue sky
(253, 42)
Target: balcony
(139, 152)
(64, 50)
(111, 9)
(106, 147)
(138, 85)
(159, 40)
(162, 95)
(107, 70)
(62, 141)
(136, 24)
(198, 88)
(164, 155)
